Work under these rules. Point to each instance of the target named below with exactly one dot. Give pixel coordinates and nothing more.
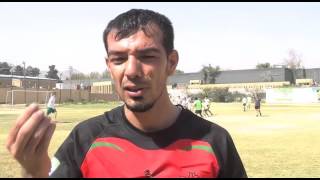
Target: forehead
(151, 37)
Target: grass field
(284, 142)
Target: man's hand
(29, 139)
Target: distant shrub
(220, 95)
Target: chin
(139, 106)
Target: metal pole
(38, 91)
(60, 88)
(71, 72)
(11, 87)
(25, 85)
(89, 89)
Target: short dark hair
(134, 20)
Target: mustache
(135, 82)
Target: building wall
(246, 76)
(257, 86)
(105, 87)
(3, 94)
(5, 82)
(184, 79)
(252, 76)
(31, 82)
(289, 76)
(313, 74)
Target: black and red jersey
(109, 146)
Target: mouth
(134, 91)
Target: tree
(210, 73)
(179, 71)
(263, 65)
(34, 72)
(5, 68)
(294, 61)
(78, 76)
(105, 74)
(52, 73)
(18, 71)
(94, 75)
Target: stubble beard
(143, 107)
(140, 107)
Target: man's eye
(147, 57)
(118, 60)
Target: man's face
(139, 67)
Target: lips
(134, 91)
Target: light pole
(71, 72)
(12, 70)
(25, 85)
(60, 87)
(38, 89)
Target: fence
(19, 96)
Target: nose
(133, 68)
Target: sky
(232, 35)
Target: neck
(160, 116)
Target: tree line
(18, 70)
(293, 61)
(10, 69)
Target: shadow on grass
(64, 122)
(263, 116)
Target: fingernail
(33, 105)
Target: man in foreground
(148, 136)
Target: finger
(37, 136)
(25, 132)
(19, 122)
(45, 141)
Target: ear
(173, 60)
(108, 66)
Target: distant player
(257, 105)
(189, 103)
(51, 105)
(184, 102)
(249, 101)
(198, 106)
(206, 107)
(244, 103)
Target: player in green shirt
(198, 106)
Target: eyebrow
(139, 51)
(148, 50)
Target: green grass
(284, 142)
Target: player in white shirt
(51, 105)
